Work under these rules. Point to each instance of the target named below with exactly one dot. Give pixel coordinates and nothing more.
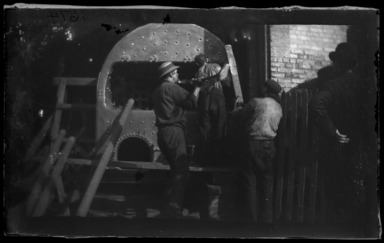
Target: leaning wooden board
(234, 73)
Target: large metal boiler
(129, 71)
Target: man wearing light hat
(171, 103)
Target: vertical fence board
(297, 179)
(292, 157)
(286, 148)
(280, 160)
(312, 167)
(319, 213)
(302, 156)
(57, 113)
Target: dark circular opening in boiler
(134, 149)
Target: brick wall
(299, 51)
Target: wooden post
(43, 173)
(303, 155)
(292, 156)
(313, 172)
(47, 195)
(234, 73)
(59, 168)
(57, 114)
(100, 169)
(280, 158)
(35, 145)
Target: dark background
(40, 44)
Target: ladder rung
(37, 158)
(82, 140)
(76, 106)
(75, 81)
(148, 165)
(79, 161)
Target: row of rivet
(165, 32)
(142, 122)
(137, 135)
(210, 46)
(155, 58)
(150, 144)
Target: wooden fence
(297, 182)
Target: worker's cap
(272, 86)
(200, 58)
(165, 68)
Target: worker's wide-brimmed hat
(165, 68)
(344, 52)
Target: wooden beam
(81, 161)
(57, 114)
(313, 174)
(159, 166)
(100, 169)
(35, 145)
(140, 165)
(43, 174)
(75, 81)
(59, 166)
(293, 156)
(282, 141)
(234, 73)
(303, 154)
(47, 195)
(82, 140)
(80, 107)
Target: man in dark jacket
(332, 71)
(338, 115)
(212, 111)
(171, 103)
(337, 101)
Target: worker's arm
(185, 99)
(241, 115)
(319, 106)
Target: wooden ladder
(94, 183)
(46, 182)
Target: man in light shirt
(259, 120)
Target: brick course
(299, 51)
